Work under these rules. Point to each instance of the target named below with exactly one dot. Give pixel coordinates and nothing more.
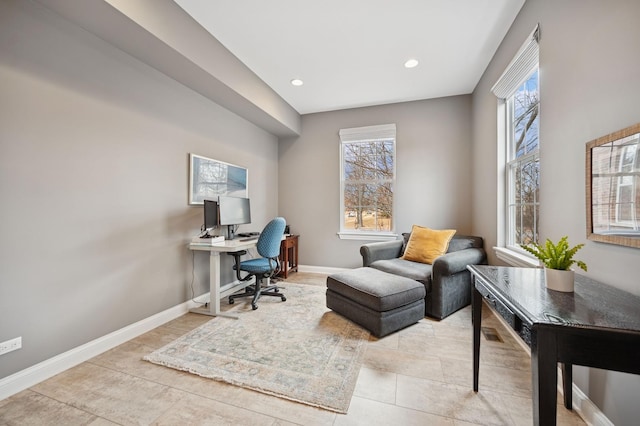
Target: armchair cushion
(426, 245)
(405, 268)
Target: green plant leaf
(556, 256)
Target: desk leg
(567, 380)
(214, 289)
(476, 318)
(544, 374)
(214, 283)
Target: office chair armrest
(236, 256)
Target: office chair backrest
(268, 244)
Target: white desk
(216, 290)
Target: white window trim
(515, 256)
(368, 236)
(382, 131)
(519, 69)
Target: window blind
(369, 133)
(520, 67)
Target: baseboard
(320, 269)
(587, 409)
(582, 405)
(44, 370)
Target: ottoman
(378, 301)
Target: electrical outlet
(10, 345)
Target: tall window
(519, 104)
(523, 163)
(367, 177)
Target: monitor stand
(230, 234)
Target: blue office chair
(262, 268)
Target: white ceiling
(351, 53)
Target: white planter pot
(559, 280)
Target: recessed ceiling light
(411, 63)
(297, 82)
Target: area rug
(298, 349)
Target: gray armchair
(447, 281)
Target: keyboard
(249, 238)
(249, 234)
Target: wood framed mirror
(613, 188)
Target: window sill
(368, 236)
(516, 258)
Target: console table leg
(544, 372)
(567, 380)
(476, 318)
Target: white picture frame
(209, 178)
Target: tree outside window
(523, 166)
(367, 179)
(368, 172)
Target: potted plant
(557, 259)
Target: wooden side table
(288, 255)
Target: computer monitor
(234, 210)
(210, 214)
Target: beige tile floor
(418, 376)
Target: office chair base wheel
(254, 306)
(284, 299)
(231, 301)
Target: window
(367, 178)
(523, 163)
(518, 96)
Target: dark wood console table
(289, 255)
(596, 326)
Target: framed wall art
(613, 188)
(210, 178)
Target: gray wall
(590, 86)
(93, 184)
(161, 34)
(433, 187)
(93, 172)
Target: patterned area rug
(297, 349)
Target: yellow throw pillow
(425, 245)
